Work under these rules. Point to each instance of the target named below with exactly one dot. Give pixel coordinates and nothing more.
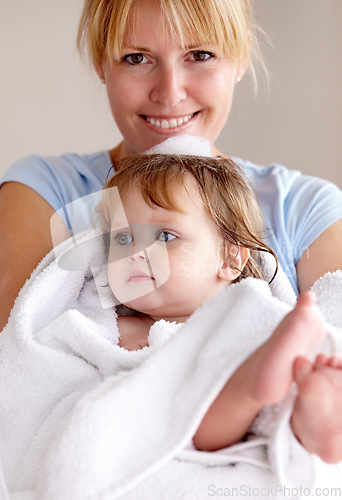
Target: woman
(169, 68)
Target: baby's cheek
(115, 277)
(161, 267)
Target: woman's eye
(165, 236)
(136, 58)
(201, 55)
(123, 239)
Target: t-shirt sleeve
(36, 173)
(63, 179)
(296, 209)
(311, 206)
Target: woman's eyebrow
(135, 48)
(198, 45)
(146, 49)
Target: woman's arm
(322, 256)
(24, 240)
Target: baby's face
(164, 263)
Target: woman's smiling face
(157, 89)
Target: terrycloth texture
(328, 289)
(82, 418)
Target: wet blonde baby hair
(225, 194)
(226, 24)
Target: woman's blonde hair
(225, 194)
(226, 24)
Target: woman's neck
(217, 152)
(120, 151)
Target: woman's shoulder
(92, 164)
(296, 209)
(281, 180)
(275, 172)
(61, 179)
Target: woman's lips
(168, 123)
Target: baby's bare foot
(316, 418)
(298, 334)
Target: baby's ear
(234, 263)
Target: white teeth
(173, 123)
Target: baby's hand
(136, 346)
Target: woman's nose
(169, 87)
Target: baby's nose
(136, 256)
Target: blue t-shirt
(296, 208)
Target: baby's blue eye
(124, 239)
(165, 236)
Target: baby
(183, 229)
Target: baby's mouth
(137, 276)
(169, 123)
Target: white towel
(82, 418)
(328, 289)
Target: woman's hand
(24, 240)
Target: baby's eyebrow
(119, 225)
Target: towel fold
(82, 418)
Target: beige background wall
(50, 102)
